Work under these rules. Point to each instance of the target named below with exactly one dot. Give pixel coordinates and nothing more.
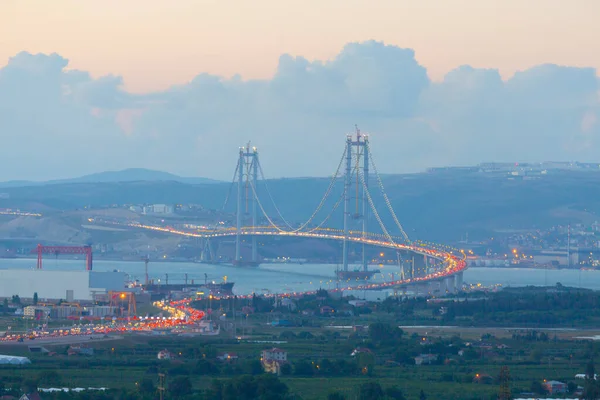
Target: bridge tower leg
(239, 210)
(254, 209)
(458, 281)
(365, 209)
(207, 252)
(347, 184)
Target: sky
(87, 86)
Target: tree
(180, 386)
(394, 393)
(49, 377)
(591, 390)
(422, 395)
(35, 298)
(147, 386)
(381, 332)
(5, 307)
(370, 391)
(252, 367)
(336, 396)
(286, 369)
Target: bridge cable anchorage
(231, 186)
(385, 197)
(332, 183)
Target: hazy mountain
(126, 175)
(433, 206)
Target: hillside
(434, 206)
(126, 175)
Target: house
(165, 355)
(227, 357)
(554, 387)
(358, 303)
(360, 350)
(31, 396)
(273, 359)
(483, 379)
(80, 350)
(425, 359)
(327, 310)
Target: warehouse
(54, 285)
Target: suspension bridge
(417, 261)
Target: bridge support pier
(449, 285)
(207, 254)
(458, 281)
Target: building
(273, 359)
(36, 312)
(227, 357)
(158, 209)
(31, 396)
(554, 387)
(426, 359)
(55, 285)
(80, 350)
(164, 355)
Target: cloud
(59, 122)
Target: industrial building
(54, 285)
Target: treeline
(259, 387)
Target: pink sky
(154, 43)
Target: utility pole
(161, 386)
(504, 393)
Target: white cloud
(55, 122)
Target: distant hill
(126, 175)
(430, 206)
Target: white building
(158, 209)
(54, 285)
(36, 312)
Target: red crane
(87, 250)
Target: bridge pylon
(247, 171)
(356, 151)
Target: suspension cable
(262, 175)
(385, 197)
(336, 205)
(231, 186)
(374, 209)
(332, 183)
(262, 209)
(272, 223)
